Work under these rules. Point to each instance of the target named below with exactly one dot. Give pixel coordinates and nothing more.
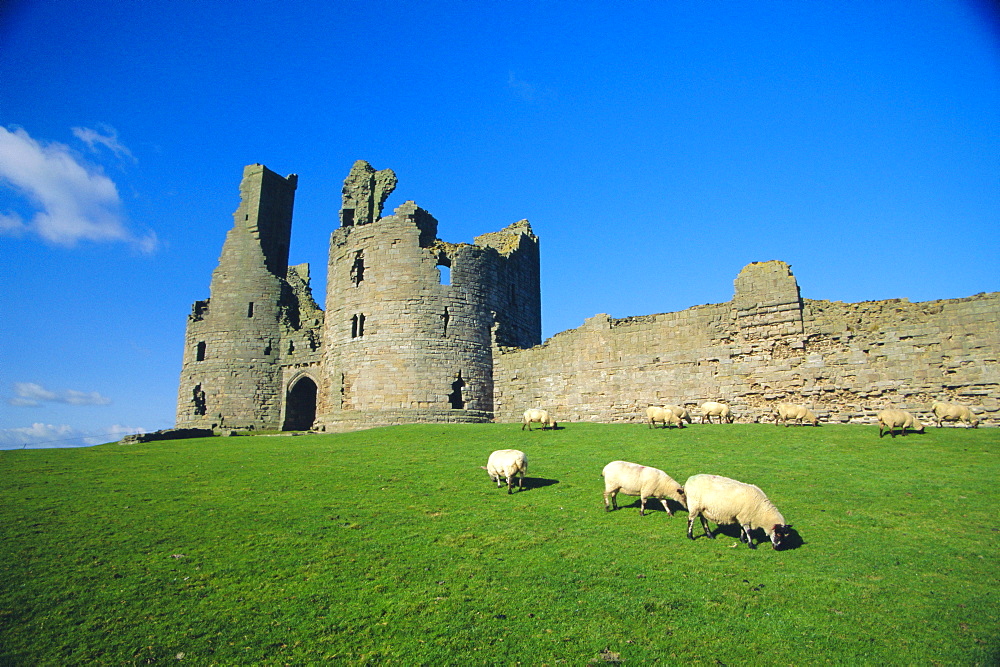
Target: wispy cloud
(529, 92)
(40, 435)
(106, 136)
(73, 202)
(30, 394)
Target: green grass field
(392, 546)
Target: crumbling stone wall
(258, 319)
(399, 345)
(767, 345)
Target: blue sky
(656, 148)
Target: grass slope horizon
(391, 545)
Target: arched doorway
(300, 405)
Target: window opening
(447, 318)
(358, 268)
(200, 352)
(291, 346)
(198, 398)
(250, 309)
(444, 273)
(348, 217)
(358, 325)
(455, 397)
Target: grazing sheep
(540, 416)
(680, 412)
(666, 416)
(890, 420)
(507, 463)
(951, 412)
(726, 501)
(799, 413)
(633, 479)
(713, 409)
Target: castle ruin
(416, 329)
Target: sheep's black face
(779, 533)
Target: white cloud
(11, 438)
(40, 435)
(109, 139)
(31, 394)
(74, 203)
(11, 224)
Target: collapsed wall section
(767, 345)
(411, 321)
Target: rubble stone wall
(845, 360)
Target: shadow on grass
(538, 482)
(905, 434)
(652, 505)
(791, 541)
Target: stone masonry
(397, 343)
(417, 329)
(845, 360)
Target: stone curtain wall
(847, 361)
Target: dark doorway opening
(300, 406)
(455, 397)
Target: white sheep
(892, 419)
(727, 501)
(507, 463)
(633, 479)
(713, 409)
(789, 411)
(952, 412)
(680, 412)
(540, 416)
(665, 416)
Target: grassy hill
(392, 546)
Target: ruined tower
(241, 342)
(412, 321)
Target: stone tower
(241, 341)
(411, 321)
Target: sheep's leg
(666, 507)
(690, 524)
(746, 531)
(614, 501)
(704, 524)
(509, 477)
(642, 505)
(520, 482)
